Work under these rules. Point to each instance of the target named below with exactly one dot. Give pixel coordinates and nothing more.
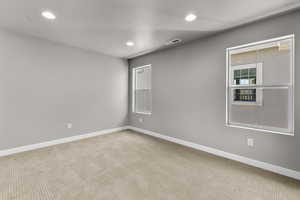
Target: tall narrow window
(260, 86)
(142, 94)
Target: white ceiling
(105, 25)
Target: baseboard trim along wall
(266, 166)
(59, 141)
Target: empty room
(149, 100)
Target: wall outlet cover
(69, 125)
(250, 142)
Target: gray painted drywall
(189, 94)
(44, 85)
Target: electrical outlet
(250, 142)
(141, 120)
(69, 125)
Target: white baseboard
(59, 141)
(266, 166)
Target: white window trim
(134, 86)
(259, 76)
(236, 49)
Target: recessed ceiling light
(190, 17)
(48, 15)
(130, 43)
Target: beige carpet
(132, 166)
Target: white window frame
(259, 76)
(134, 69)
(261, 45)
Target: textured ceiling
(105, 25)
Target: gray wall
(189, 94)
(44, 85)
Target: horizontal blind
(142, 90)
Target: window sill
(243, 103)
(260, 129)
(142, 113)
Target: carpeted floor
(131, 166)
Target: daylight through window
(260, 86)
(142, 91)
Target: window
(260, 86)
(242, 77)
(142, 94)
